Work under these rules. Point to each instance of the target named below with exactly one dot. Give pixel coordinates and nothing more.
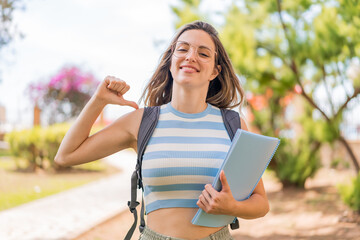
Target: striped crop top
(183, 154)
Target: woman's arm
(78, 147)
(223, 202)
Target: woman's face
(193, 60)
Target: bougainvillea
(64, 95)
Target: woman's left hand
(214, 202)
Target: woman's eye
(204, 55)
(182, 50)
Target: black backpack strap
(231, 120)
(232, 123)
(142, 215)
(133, 204)
(147, 126)
(146, 129)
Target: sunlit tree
(293, 47)
(64, 95)
(8, 30)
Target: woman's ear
(216, 71)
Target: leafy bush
(350, 194)
(38, 146)
(297, 157)
(294, 162)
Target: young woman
(193, 81)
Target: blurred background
(299, 62)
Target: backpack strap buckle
(132, 205)
(235, 224)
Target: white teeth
(188, 68)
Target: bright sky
(108, 37)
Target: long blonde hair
(225, 91)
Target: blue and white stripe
(183, 154)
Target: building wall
(2, 115)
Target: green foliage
(296, 161)
(24, 195)
(350, 193)
(294, 47)
(187, 11)
(339, 163)
(296, 42)
(335, 162)
(319, 129)
(17, 189)
(6, 164)
(4, 152)
(297, 158)
(37, 145)
(244, 40)
(7, 28)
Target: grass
(18, 187)
(4, 152)
(6, 165)
(26, 194)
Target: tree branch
(349, 150)
(341, 78)
(303, 93)
(327, 90)
(293, 67)
(310, 100)
(281, 19)
(356, 92)
(272, 51)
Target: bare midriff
(176, 222)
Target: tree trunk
(37, 113)
(351, 153)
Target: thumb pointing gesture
(112, 90)
(125, 102)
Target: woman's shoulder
(243, 121)
(130, 121)
(135, 115)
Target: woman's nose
(191, 55)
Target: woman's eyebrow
(201, 46)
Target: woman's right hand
(79, 147)
(111, 91)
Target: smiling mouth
(190, 69)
